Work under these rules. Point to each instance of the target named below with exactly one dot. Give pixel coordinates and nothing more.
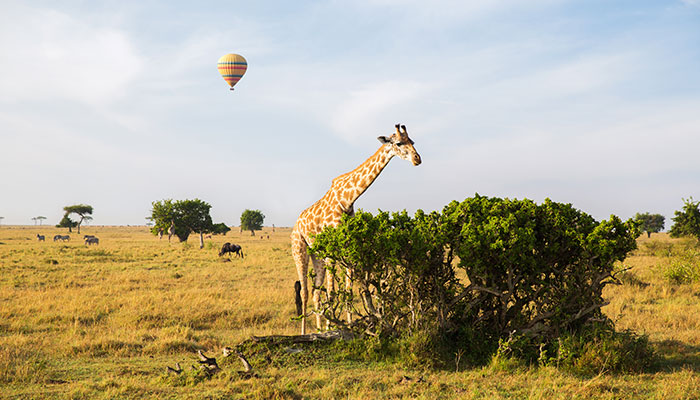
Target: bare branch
(207, 362)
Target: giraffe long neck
(355, 182)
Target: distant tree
(252, 220)
(186, 216)
(66, 222)
(220, 229)
(1, 218)
(34, 219)
(686, 222)
(84, 211)
(650, 223)
(40, 218)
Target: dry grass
(104, 321)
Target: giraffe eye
(399, 144)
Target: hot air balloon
(232, 67)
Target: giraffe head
(401, 145)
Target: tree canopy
(220, 229)
(252, 220)
(650, 223)
(686, 222)
(186, 216)
(84, 211)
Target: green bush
(401, 267)
(686, 222)
(534, 269)
(682, 272)
(532, 272)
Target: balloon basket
(231, 89)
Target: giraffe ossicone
(328, 211)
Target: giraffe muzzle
(416, 159)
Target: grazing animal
(171, 230)
(231, 248)
(92, 240)
(339, 200)
(63, 238)
(41, 238)
(57, 238)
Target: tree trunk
(648, 234)
(252, 232)
(201, 240)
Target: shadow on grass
(675, 354)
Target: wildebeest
(41, 238)
(231, 248)
(61, 237)
(91, 240)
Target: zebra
(41, 238)
(91, 240)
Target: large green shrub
(401, 267)
(525, 270)
(534, 269)
(686, 222)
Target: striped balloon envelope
(232, 67)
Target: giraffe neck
(354, 183)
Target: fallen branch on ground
(311, 337)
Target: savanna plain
(104, 322)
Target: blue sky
(118, 104)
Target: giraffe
(339, 200)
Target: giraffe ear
(384, 139)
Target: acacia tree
(687, 221)
(40, 219)
(186, 216)
(650, 223)
(252, 220)
(34, 219)
(1, 218)
(84, 211)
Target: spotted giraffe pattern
(339, 200)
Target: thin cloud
(51, 53)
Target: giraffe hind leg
(301, 259)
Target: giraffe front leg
(319, 277)
(348, 288)
(330, 287)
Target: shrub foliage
(486, 267)
(686, 222)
